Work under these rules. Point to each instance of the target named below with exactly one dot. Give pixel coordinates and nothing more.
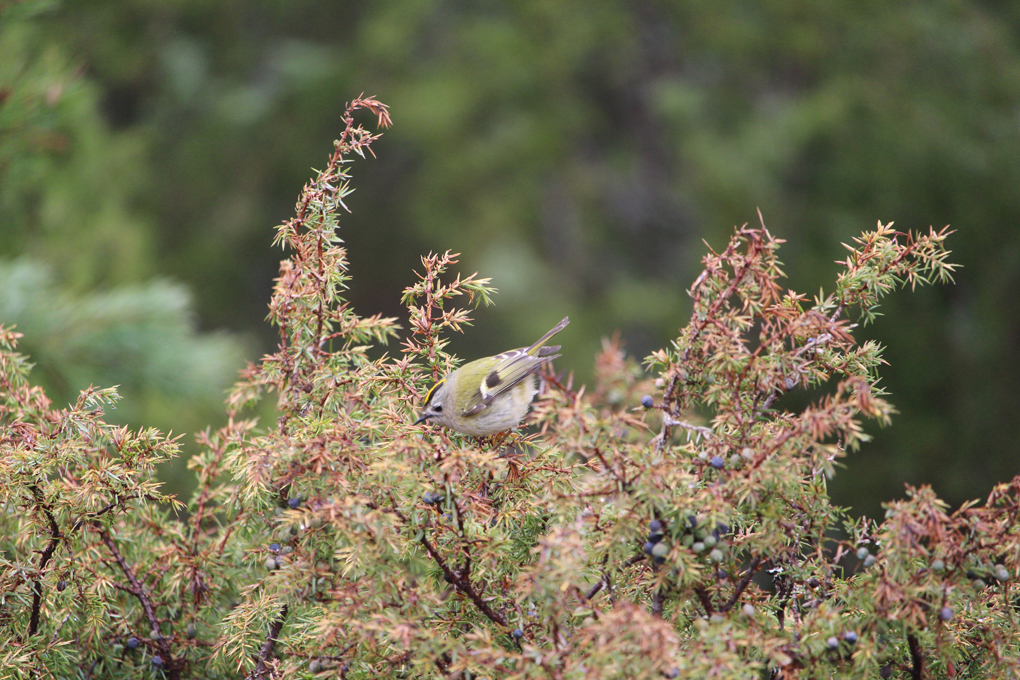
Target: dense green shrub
(675, 525)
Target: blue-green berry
(647, 401)
(717, 462)
(293, 503)
(518, 633)
(275, 547)
(850, 636)
(132, 643)
(832, 642)
(157, 661)
(946, 614)
(862, 553)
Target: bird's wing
(514, 366)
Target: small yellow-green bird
(492, 394)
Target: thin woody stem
(47, 553)
(462, 584)
(262, 668)
(138, 590)
(916, 658)
(742, 585)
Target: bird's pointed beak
(421, 420)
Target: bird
(490, 395)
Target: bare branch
(138, 590)
(463, 584)
(262, 667)
(916, 658)
(47, 553)
(742, 585)
(705, 600)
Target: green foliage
(140, 338)
(72, 190)
(75, 242)
(692, 537)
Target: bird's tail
(534, 349)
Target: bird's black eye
(438, 408)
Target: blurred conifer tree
(76, 245)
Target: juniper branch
(916, 658)
(138, 590)
(47, 553)
(462, 584)
(266, 651)
(752, 568)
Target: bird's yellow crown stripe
(428, 397)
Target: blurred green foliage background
(576, 151)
